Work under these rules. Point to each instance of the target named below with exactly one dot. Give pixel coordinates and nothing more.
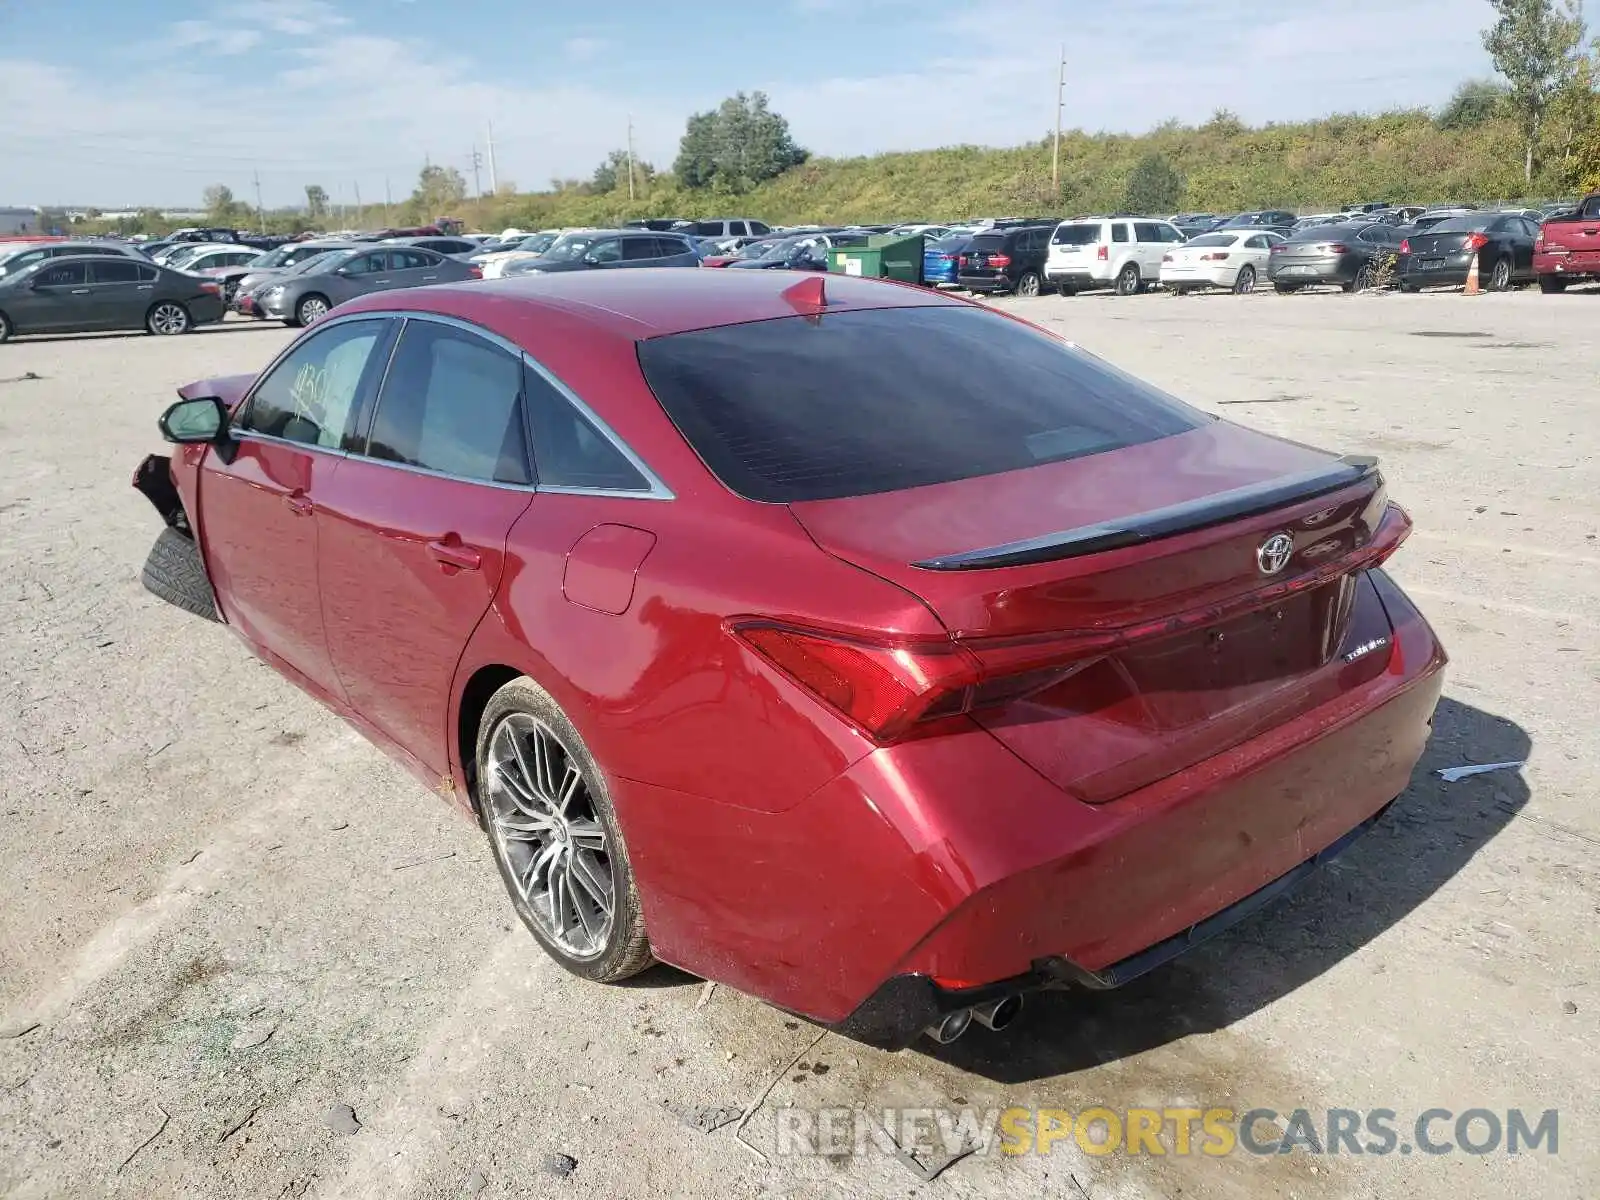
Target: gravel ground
(223, 914)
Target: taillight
(946, 257)
(887, 688)
(207, 286)
(1538, 243)
(1336, 248)
(1277, 248)
(1166, 258)
(1218, 256)
(1405, 245)
(962, 260)
(1000, 260)
(1477, 241)
(475, 272)
(1103, 253)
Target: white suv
(1120, 252)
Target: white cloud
(325, 102)
(583, 49)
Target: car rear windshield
(1076, 235)
(854, 403)
(1464, 224)
(988, 241)
(1213, 239)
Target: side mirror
(193, 421)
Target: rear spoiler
(1248, 501)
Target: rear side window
(853, 403)
(1119, 233)
(1148, 231)
(450, 404)
(569, 450)
(634, 248)
(116, 272)
(1076, 235)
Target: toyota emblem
(1273, 555)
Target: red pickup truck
(1568, 247)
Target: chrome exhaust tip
(950, 1026)
(997, 1014)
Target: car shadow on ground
(1429, 835)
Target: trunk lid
(1437, 245)
(1149, 565)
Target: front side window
(310, 396)
(605, 252)
(450, 404)
(67, 274)
(636, 248)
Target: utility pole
(387, 219)
(494, 179)
(477, 163)
(1055, 155)
(630, 158)
(261, 213)
(358, 202)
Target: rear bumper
(1314, 271)
(984, 283)
(1579, 265)
(948, 869)
(1080, 277)
(1222, 276)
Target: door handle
(299, 503)
(380, 281)
(449, 551)
(80, 291)
(147, 287)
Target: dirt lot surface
(222, 913)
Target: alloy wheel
(1128, 281)
(1028, 285)
(542, 818)
(313, 309)
(1501, 279)
(1246, 282)
(5, 327)
(168, 319)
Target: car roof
(638, 305)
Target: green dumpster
(882, 256)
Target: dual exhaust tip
(995, 1015)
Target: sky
(118, 103)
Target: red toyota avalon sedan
(862, 648)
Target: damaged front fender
(153, 479)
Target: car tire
(1066, 289)
(1245, 282)
(5, 328)
(168, 318)
(1362, 281)
(1285, 289)
(174, 572)
(527, 754)
(1029, 284)
(1550, 285)
(1500, 276)
(1408, 287)
(1129, 281)
(309, 309)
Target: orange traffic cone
(1473, 287)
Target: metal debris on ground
(341, 1118)
(1456, 774)
(249, 1116)
(705, 995)
(559, 1165)
(20, 1029)
(166, 1119)
(707, 1118)
(250, 1037)
(738, 1133)
(405, 866)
